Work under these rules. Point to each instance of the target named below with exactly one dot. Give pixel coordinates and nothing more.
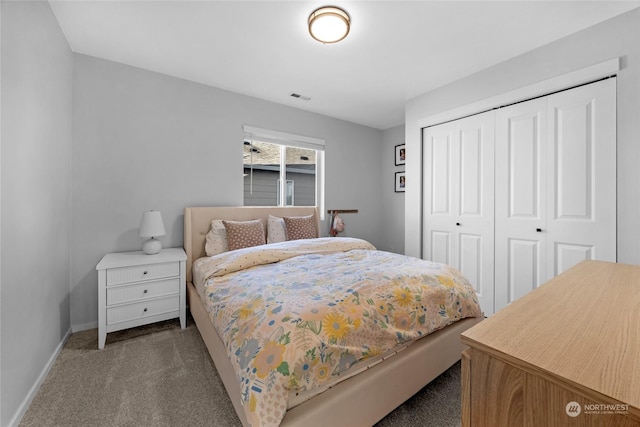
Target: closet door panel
(474, 204)
(471, 150)
(470, 256)
(520, 212)
(523, 173)
(441, 247)
(441, 147)
(525, 165)
(524, 259)
(573, 164)
(582, 181)
(567, 255)
(458, 167)
(438, 227)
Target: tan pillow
(300, 227)
(244, 234)
(275, 230)
(216, 240)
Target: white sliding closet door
(521, 202)
(555, 186)
(458, 200)
(582, 176)
(438, 151)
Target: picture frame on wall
(400, 182)
(400, 154)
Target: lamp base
(151, 246)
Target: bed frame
(361, 400)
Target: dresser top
(127, 259)
(582, 327)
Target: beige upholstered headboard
(197, 223)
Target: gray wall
(618, 37)
(143, 140)
(36, 85)
(392, 202)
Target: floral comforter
(297, 315)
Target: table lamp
(151, 226)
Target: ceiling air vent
(297, 95)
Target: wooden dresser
(568, 353)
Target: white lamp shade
(151, 224)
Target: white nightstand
(135, 289)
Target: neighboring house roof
(261, 154)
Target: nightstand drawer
(116, 276)
(142, 291)
(124, 313)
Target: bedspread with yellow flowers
(302, 322)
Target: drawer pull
(145, 291)
(145, 310)
(145, 273)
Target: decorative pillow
(244, 234)
(275, 230)
(216, 240)
(300, 227)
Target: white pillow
(216, 241)
(275, 230)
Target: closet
(514, 196)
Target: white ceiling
(396, 49)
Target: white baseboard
(22, 409)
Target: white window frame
(252, 133)
(289, 184)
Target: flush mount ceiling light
(329, 24)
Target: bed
(365, 392)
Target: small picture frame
(400, 154)
(400, 182)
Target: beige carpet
(161, 375)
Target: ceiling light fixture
(329, 24)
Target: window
(282, 169)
